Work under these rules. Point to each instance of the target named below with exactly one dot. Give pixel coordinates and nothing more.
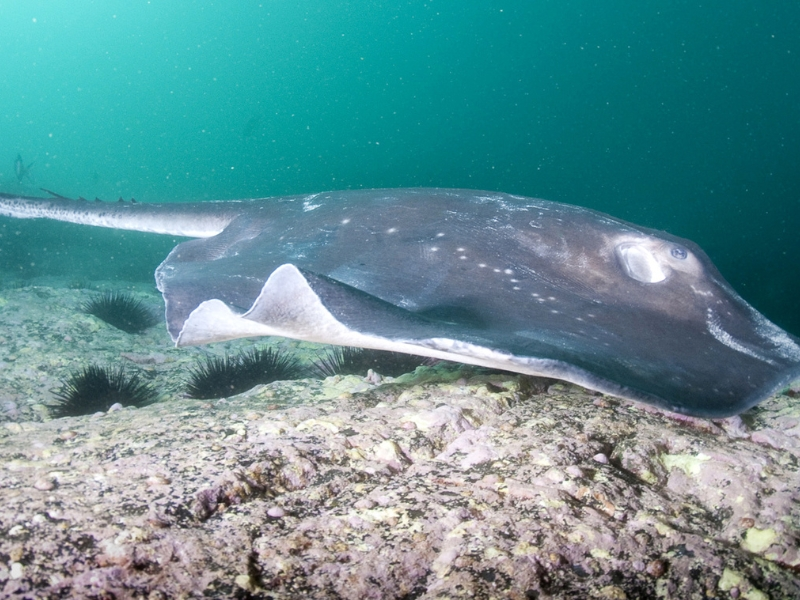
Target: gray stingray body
(483, 278)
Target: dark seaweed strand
(96, 388)
(347, 360)
(219, 377)
(121, 310)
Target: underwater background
(680, 116)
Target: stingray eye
(639, 263)
(679, 253)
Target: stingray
(482, 278)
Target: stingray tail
(196, 219)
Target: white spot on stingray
(785, 346)
(345, 221)
(701, 292)
(462, 257)
(460, 250)
(555, 312)
(439, 235)
(508, 272)
(307, 206)
(516, 287)
(482, 265)
(391, 230)
(514, 280)
(551, 297)
(496, 270)
(535, 295)
(725, 338)
(434, 248)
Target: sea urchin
(96, 388)
(219, 377)
(120, 310)
(346, 360)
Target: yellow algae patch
(757, 540)
(379, 515)
(733, 579)
(524, 549)
(582, 534)
(612, 592)
(730, 579)
(356, 454)
(688, 463)
(663, 529)
(647, 476)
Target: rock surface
(445, 483)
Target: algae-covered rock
(451, 482)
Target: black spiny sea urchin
(96, 388)
(219, 377)
(346, 360)
(120, 310)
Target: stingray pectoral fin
(289, 306)
(286, 307)
(214, 321)
(299, 304)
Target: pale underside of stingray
(483, 278)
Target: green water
(683, 116)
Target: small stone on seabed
(656, 568)
(158, 479)
(373, 377)
(601, 403)
(158, 521)
(45, 484)
(16, 571)
(276, 512)
(601, 458)
(554, 475)
(574, 471)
